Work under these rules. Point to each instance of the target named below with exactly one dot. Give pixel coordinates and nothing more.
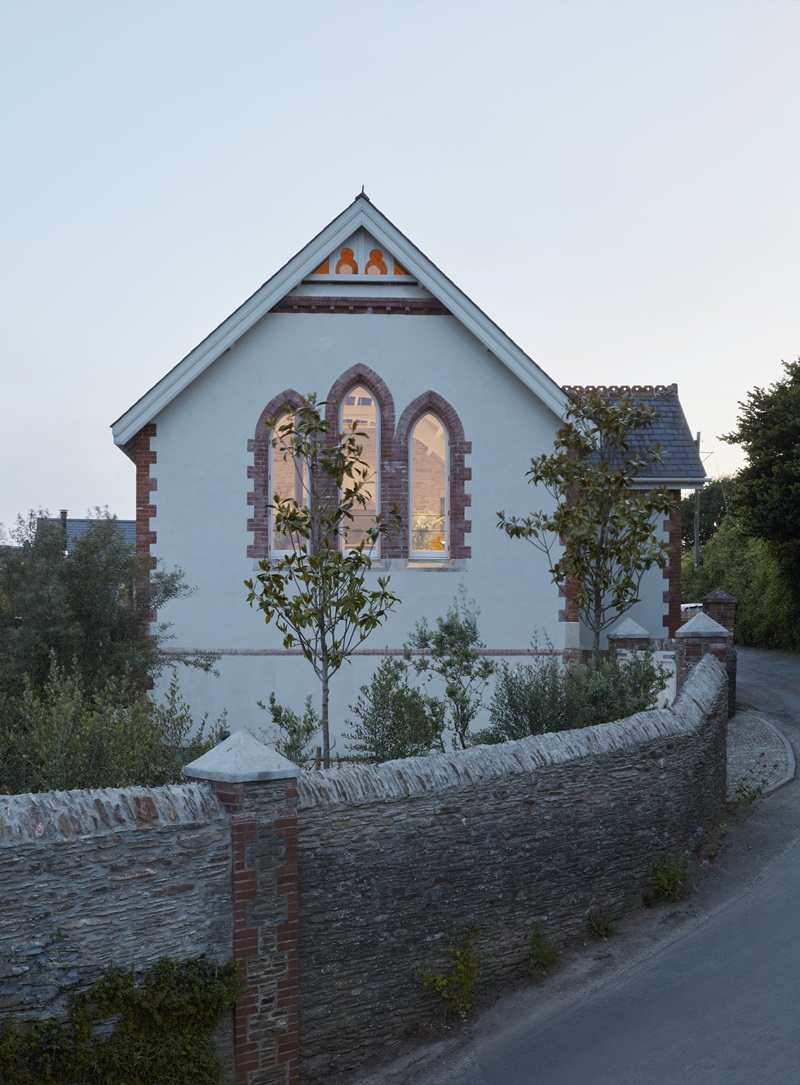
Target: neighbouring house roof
(679, 463)
(312, 260)
(77, 528)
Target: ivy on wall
(124, 1032)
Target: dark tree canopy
(87, 611)
(768, 429)
(715, 503)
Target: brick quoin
(672, 571)
(145, 459)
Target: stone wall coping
(702, 626)
(439, 773)
(241, 758)
(64, 816)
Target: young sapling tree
(316, 590)
(601, 537)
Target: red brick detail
(690, 650)
(672, 572)
(460, 474)
(259, 498)
(287, 1003)
(359, 305)
(145, 459)
(258, 1048)
(569, 612)
(722, 610)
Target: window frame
(272, 550)
(375, 549)
(429, 555)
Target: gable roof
(679, 462)
(75, 529)
(361, 213)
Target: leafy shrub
(458, 986)
(600, 925)
(671, 878)
(547, 695)
(675, 872)
(62, 737)
(453, 653)
(119, 1032)
(542, 955)
(393, 719)
(292, 734)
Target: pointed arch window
(360, 409)
(429, 461)
(287, 484)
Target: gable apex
(360, 215)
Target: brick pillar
(721, 606)
(629, 636)
(258, 788)
(703, 636)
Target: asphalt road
(706, 992)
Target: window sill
(443, 565)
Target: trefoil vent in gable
(360, 258)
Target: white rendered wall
(202, 510)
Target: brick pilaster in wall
(146, 483)
(672, 572)
(263, 820)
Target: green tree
(715, 501)
(317, 594)
(748, 568)
(767, 498)
(603, 525)
(453, 653)
(768, 429)
(89, 610)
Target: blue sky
(614, 183)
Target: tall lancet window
(429, 484)
(359, 408)
(287, 484)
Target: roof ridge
(640, 391)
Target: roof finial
(363, 196)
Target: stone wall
(334, 889)
(393, 858)
(88, 878)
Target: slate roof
(680, 459)
(76, 528)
